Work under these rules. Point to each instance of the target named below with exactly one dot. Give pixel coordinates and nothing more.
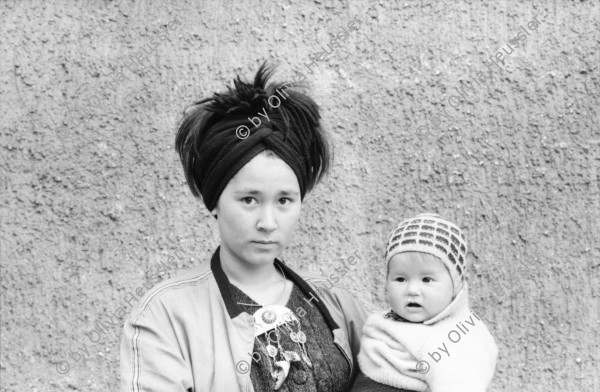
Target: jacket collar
(234, 310)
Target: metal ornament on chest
(270, 321)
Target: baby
(430, 340)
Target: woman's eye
(247, 200)
(285, 200)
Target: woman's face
(258, 211)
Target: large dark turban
(224, 132)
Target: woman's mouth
(265, 244)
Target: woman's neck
(247, 275)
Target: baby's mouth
(413, 305)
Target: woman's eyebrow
(289, 192)
(285, 192)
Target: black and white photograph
(300, 196)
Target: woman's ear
(215, 212)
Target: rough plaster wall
(93, 196)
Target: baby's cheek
(394, 296)
(390, 291)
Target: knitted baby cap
(429, 233)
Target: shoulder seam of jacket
(174, 285)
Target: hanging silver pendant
(301, 336)
(272, 351)
(281, 373)
(291, 356)
(306, 359)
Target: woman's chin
(263, 257)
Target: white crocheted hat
(429, 233)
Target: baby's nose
(414, 289)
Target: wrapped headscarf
(224, 132)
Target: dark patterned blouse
(330, 370)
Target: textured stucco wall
(93, 196)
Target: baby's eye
(427, 279)
(399, 279)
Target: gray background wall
(93, 196)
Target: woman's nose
(266, 220)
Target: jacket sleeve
(354, 315)
(151, 358)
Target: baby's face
(419, 286)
